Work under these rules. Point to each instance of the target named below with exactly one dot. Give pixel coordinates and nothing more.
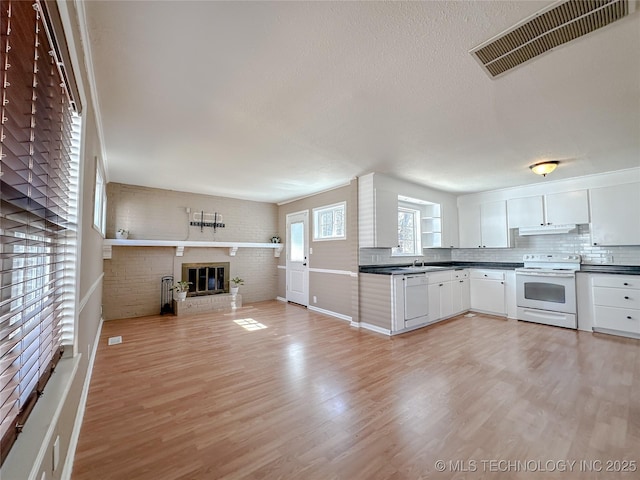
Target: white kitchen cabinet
(525, 212)
(377, 215)
(440, 295)
(484, 225)
(449, 229)
(469, 226)
(616, 304)
(615, 215)
(461, 295)
(562, 208)
(567, 208)
(488, 291)
(493, 224)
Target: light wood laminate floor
(299, 395)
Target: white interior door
(297, 254)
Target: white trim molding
(333, 272)
(92, 289)
(330, 313)
(77, 425)
(373, 328)
(281, 299)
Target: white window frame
(417, 234)
(317, 212)
(100, 200)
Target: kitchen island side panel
(376, 306)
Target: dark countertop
(439, 266)
(613, 269)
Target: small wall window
(408, 232)
(329, 223)
(100, 201)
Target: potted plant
(181, 288)
(237, 281)
(122, 234)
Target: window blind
(39, 134)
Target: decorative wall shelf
(181, 245)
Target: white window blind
(39, 152)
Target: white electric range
(546, 289)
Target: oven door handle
(548, 274)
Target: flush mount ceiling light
(543, 168)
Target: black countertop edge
(391, 269)
(614, 269)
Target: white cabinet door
(461, 295)
(449, 228)
(483, 225)
(386, 218)
(488, 292)
(469, 226)
(615, 215)
(446, 299)
(525, 212)
(434, 302)
(567, 208)
(377, 215)
(493, 224)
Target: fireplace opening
(206, 278)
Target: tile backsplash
(578, 242)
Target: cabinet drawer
(616, 281)
(439, 277)
(622, 319)
(460, 274)
(488, 274)
(617, 297)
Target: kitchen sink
(426, 268)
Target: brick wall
(132, 275)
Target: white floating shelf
(181, 245)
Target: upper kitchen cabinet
(483, 225)
(377, 215)
(615, 215)
(562, 208)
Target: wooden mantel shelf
(181, 245)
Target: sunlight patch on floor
(249, 324)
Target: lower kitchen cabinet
(616, 304)
(448, 294)
(488, 293)
(440, 296)
(461, 291)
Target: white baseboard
(281, 299)
(77, 425)
(330, 313)
(375, 328)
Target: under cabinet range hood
(546, 229)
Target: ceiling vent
(551, 27)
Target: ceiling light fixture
(544, 168)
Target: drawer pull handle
(626, 298)
(629, 317)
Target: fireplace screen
(206, 278)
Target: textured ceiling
(270, 101)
